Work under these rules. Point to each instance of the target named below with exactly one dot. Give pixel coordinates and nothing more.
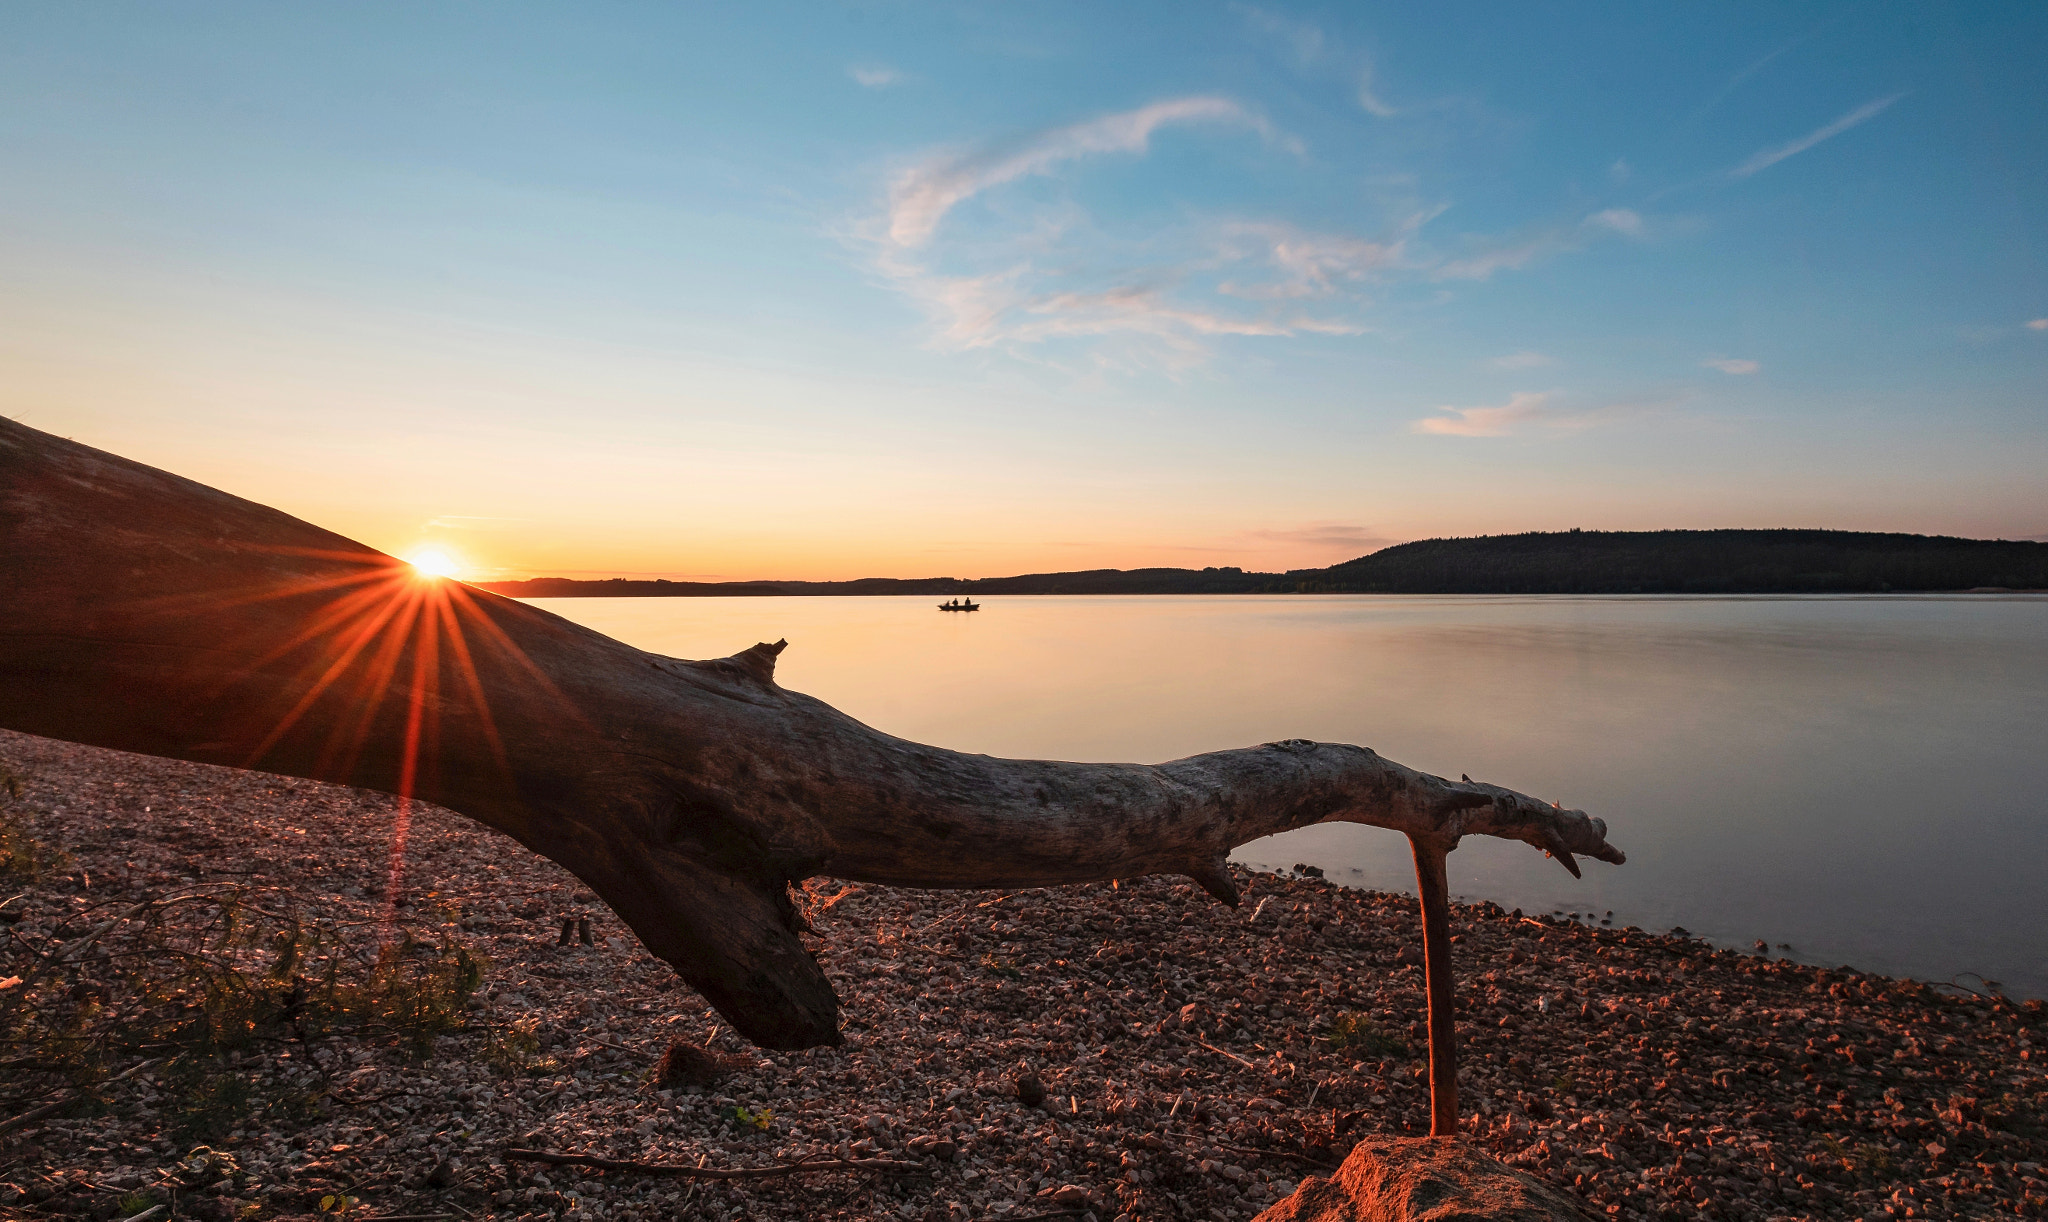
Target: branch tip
(759, 660)
(1215, 879)
(1553, 844)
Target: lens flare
(433, 562)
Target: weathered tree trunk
(149, 613)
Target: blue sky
(822, 291)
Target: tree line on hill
(1564, 562)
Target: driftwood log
(149, 613)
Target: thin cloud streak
(1531, 409)
(1732, 365)
(1623, 221)
(1015, 306)
(1770, 157)
(1525, 359)
(1522, 406)
(1735, 82)
(924, 194)
(1312, 264)
(1312, 48)
(1358, 540)
(978, 312)
(2037, 324)
(1369, 100)
(1517, 255)
(875, 76)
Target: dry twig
(712, 1173)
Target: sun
(433, 562)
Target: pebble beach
(1133, 1051)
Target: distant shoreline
(1569, 562)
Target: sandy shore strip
(1176, 1059)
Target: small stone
(686, 1064)
(1030, 1090)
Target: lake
(1862, 778)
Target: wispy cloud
(875, 76)
(1729, 364)
(1531, 247)
(1521, 407)
(1307, 264)
(1025, 272)
(1505, 257)
(1537, 409)
(1129, 309)
(987, 311)
(1735, 82)
(1353, 540)
(1304, 38)
(1312, 49)
(923, 195)
(1368, 99)
(2037, 324)
(1524, 359)
(1769, 157)
(1627, 223)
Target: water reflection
(1864, 778)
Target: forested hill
(1693, 562)
(1573, 562)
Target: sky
(829, 290)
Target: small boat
(960, 604)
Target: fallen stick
(50, 1109)
(711, 1173)
(1317, 1163)
(1233, 1056)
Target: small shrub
(1876, 1162)
(23, 858)
(416, 990)
(207, 1104)
(1362, 1036)
(752, 1122)
(194, 978)
(514, 1049)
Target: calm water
(1863, 778)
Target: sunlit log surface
(145, 612)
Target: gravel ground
(1133, 1050)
